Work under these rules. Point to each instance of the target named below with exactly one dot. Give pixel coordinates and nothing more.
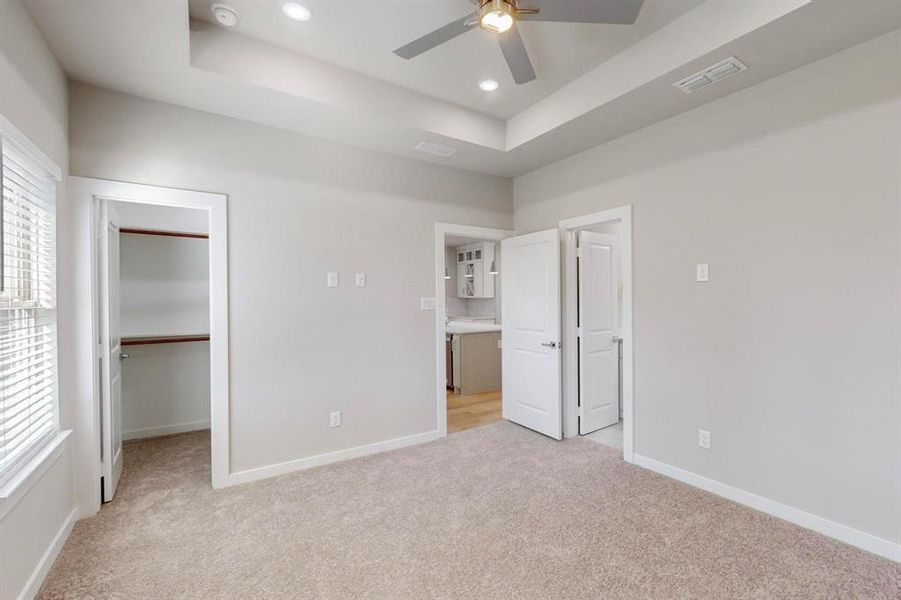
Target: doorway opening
(597, 328)
(99, 451)
(468, 326)
(154, 317)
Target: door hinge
(578, 332)
(581, 411)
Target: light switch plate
(360, 279)
(703, 272)
(332, 279)
(426, 304)
(334, 419)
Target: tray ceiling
(335, 76)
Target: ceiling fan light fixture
(496, 16)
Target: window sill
(17, 487)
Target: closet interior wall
(164, 293)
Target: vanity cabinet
(474, 279)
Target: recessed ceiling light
(225, 15)
(296, 11)
(489, 85)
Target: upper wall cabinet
(474, 279)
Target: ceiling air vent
(710, 75)
(436, 149)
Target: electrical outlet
(360, 279)
(332, 279)
(426, 304)
(334, 419)
(704, 438)
(703, 272)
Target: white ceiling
(361, 35)
(349, 87)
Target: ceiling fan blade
(437, 37)
(516, 56)
(617, 12)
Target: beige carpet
(493, 512)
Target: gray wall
(33, 98)
(790, 354)
(299, 207)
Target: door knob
(617, 339)
(549, 344)
(123, 356)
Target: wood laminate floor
(466, 412)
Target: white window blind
(28, 380)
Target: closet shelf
(144, 340)
(182, 234)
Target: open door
(530, 280)
(598, 345)
(111, 354)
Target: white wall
(165, 285)
(164, 291)
(790, 354)
(165, 389)
(455, 306)
(299, 207)
(162, 218)
(33, 97)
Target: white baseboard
(137, 434)
(329, 457)
(40, 572)
(849, 535)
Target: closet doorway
(100, 447)
(597, 328)
(154, 316)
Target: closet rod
(163, 339)
(183, 234)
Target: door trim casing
(568, 229)
(84, 195)
(442, 230)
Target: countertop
(470, 327)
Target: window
(28, 381)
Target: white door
(530, 283)
(598, 346)
(111, 354)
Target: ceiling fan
(500, 17)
